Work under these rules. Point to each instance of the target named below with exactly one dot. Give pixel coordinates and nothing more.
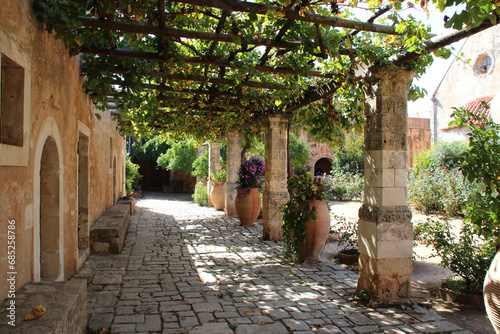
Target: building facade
(60, 167)
(472, 78)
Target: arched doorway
(50, 265)
(322, 166)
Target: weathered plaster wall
(461, 85)
(55, 103)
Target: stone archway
(322, 166)
(50, 266)
(48, 198)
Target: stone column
(213, 165)
(233, 166)
(385, 228)
(276, 190)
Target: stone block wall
(57, 115)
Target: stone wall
(57, 114)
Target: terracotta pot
(491, 291)
(316, 233)
(348, 256)
(460, 297)
(217, 194)
(247, 205)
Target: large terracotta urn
(491, 293)
(247, 205)
(316, 233)
(217, 195)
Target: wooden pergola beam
(199, 61)
(201, 78)
(170, 32)
(262, 9)
(162, 88)
(440, 41)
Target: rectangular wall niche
(12, 99)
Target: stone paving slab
(189, 269)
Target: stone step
(66, 304)
(107, 232)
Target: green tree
(149, 150)
(350, 157)
(180, 156)
(481, 163)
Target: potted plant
(217, 191)
(247, 202)
(306, 219)
(347, 232)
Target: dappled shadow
(185, 266)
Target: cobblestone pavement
(189, 269)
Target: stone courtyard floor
(190, 269)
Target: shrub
(200, 194)
(347, 231)
(466, 254)
(342, 185)
(350, 157)
(131, 174)
(440, 190)
(442, 154)
(180, 156)
(436, 183)
(200, 166)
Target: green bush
(200, 166)
(131, 174)
(342, 185)
(440, 190)
(441, 154)
(436, 183)
(200, 194)
(466, 254)
(180, 156)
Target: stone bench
(66, 304)
(108, 232)
(128, 201)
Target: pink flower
(443, 167)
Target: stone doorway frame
(48, 131)
(83, 174)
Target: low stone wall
(108, 232)
(65, 302)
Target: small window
(483, 65)
(12, 102)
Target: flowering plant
(248, 175)
(297, 212)
(219, 175)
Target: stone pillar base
(385, 280)
(272, 217)
(385, 245)
(230, 197)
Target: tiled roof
(476, 107)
